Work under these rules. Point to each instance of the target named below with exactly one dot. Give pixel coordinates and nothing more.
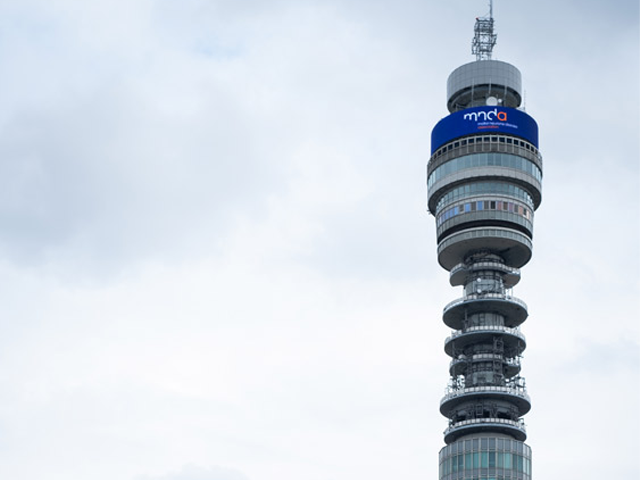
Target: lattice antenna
(484, 39)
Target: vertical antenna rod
(484, 39)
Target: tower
(484, 184)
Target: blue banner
(484, 120)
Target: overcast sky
(215, 257)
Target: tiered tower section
(484, 184)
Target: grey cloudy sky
(215, 258)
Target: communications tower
(484, 184)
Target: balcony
(514, 247)
(457, 366)
(511, 308)
(485, 296)
(515, 395)
(493, 329)
(459, 273)
(515, 428)
(514, 340)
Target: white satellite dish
(492, 101)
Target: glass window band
(484, 188)
(491, 159)
(482, 205)
(511, 460)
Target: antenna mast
(484, 39)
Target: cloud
(214, 247)
(162, 151)
(192, 472)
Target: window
(481, 205)
(478, 188)
(484, 159)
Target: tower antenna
(484, 39)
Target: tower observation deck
(484, 185)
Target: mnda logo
(486, 116)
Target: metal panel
(484, 72)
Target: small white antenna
(484, 39)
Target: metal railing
(489, 265)
(453, 393)
(519, 424)
(513, 362)
(485, 296)
(486, 328)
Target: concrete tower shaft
(484, 181)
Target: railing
(517, 391)
(445, 153)
(513, 362)
(485, 296)
(486, 328)
(473, 234)
(489, 265)
(519, 424)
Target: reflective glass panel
(484, 159)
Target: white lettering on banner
(486, 116)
